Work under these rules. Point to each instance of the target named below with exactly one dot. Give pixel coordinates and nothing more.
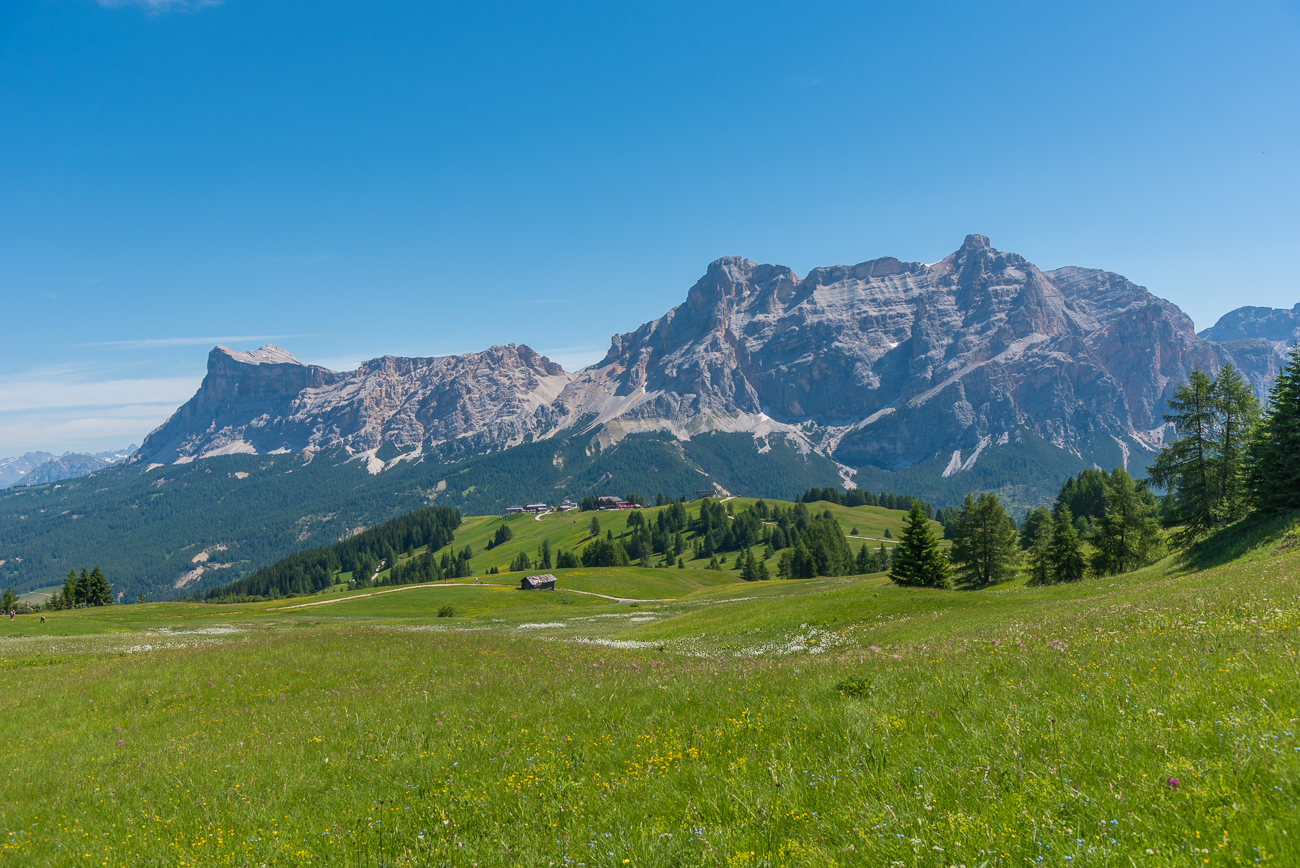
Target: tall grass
(1147, 721)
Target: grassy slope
(1000, 727)
(570, 531)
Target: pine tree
(864, 562)
(595, 526)
(82, 588)
(544, 555)
(1029, 528)
(10, 599)
(760, 570)
(1184, 468)
(1127, 534)
(884, 560)
(747, 571)
(99, 592)
(1274, 453)
(918, 560)
(985, 542)
(1065, 553)
(520, 563)
(69, 595)
(1040, 550)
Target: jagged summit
(882, 363)
(269, 354)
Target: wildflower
(1173, 783)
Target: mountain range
(976, 372)
(37, 468)
(882, 364)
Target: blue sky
(349, 179)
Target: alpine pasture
(668, 717)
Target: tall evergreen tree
(1184, 468)
(1040, 550)
(99, 592)
(1029, 527)
(69, 595)
(918, 561)
(82, 588)
(1274, 451)
(864, 563)
(1065, 552)
(984, 544)
(1128, 533)
(1237, 411)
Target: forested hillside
(238, 513)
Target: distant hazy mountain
(36, 468)
(14, 469)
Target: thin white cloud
(801, 81)
(22, 394)
(156, 7)
(157, 343)
(76, 430)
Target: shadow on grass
(1256, 531)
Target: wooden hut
(544, 582)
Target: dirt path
(463, 585)
(390, 591)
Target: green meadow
(670, 717)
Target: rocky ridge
(267, 401)
(884, 363)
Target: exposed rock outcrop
(268, 401)
(883, 363)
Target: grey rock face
(1278, 325)
(267, 401)
(1259, 339)
(897, 360)
(884, 363)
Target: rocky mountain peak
(881, 363)
(268, 354)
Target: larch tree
(1040, 550)
(985, 545)
(1274, 452)
(1237, 411)
(1128, 533)
(1065, 552)
(1184, 468)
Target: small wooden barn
(544, 582)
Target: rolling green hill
(561, 531)
(238, 513)
(1143, 719)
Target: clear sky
(353, 179)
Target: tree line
(364, 556)
(1231, 458)
(87, 588)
